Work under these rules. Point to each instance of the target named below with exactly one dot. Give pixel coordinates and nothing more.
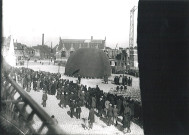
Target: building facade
(67, 46)
(19, 53)
(118, 58)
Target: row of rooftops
(74, 44)
(66, 44)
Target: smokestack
(42, 39)
(91, 38)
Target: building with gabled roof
(67, 46)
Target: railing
(22, 112)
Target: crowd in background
(75, 95)
(123, 80)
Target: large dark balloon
(88, 62)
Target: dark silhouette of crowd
(105, 105)
(123, 80)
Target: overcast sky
(26, 20)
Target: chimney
(42, 39)
(91, 38)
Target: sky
(26, 20)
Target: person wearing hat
(115, 114)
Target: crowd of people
(123, 80)
(75, 95)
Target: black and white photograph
(87, 67)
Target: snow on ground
(73, 125)
(89, 82)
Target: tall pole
(131, 33)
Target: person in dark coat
(123, 80)
(119, 104)
(53, 88)
(91, 118)
(126, 80)
(127, 120)
(115, 80)
(100, 107)
(66, 100)
(35, 84)
(121, 88)
(82, 98)
(41, 83)
(125, 87)
(72, 105)
(78, 111)
(79, 79)
(106, 79)
(129, 81)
